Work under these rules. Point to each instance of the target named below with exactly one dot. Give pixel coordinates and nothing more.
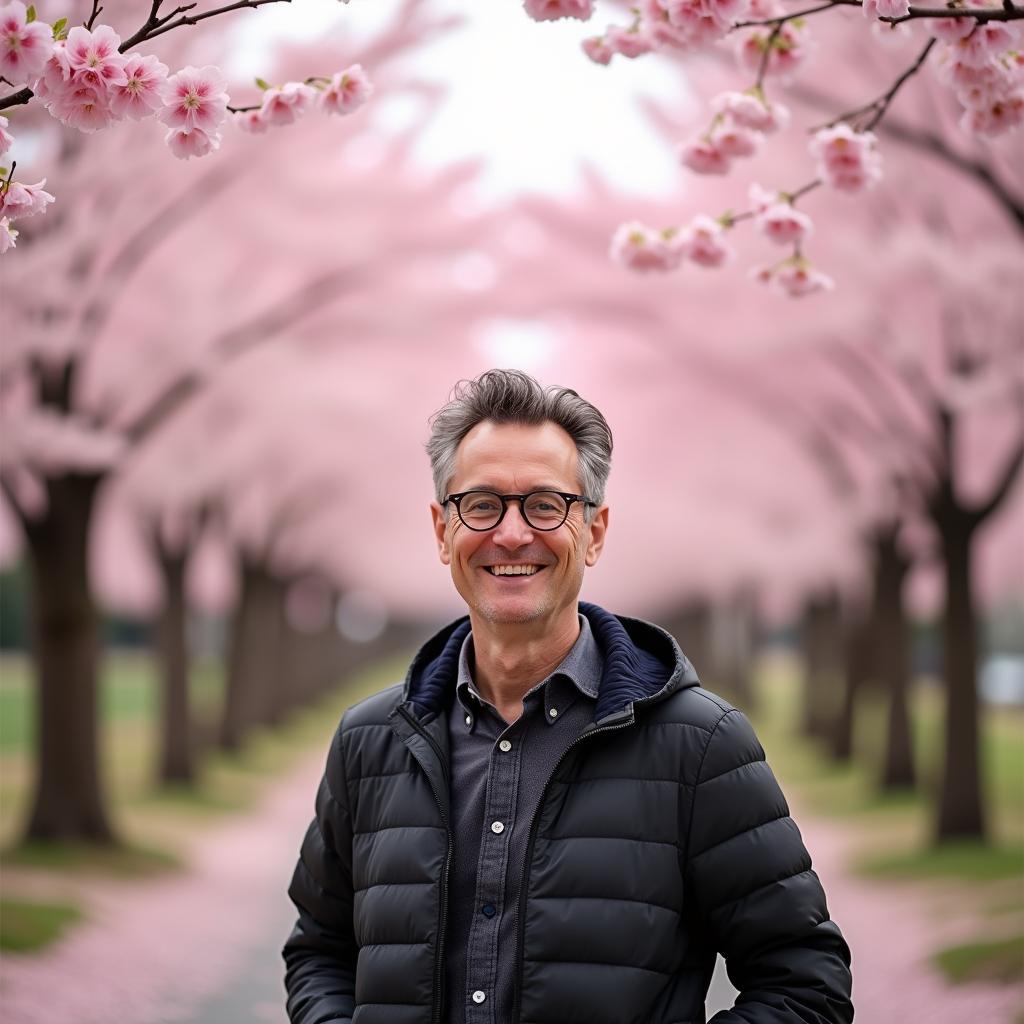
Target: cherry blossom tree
(81, 391)
(971, 50)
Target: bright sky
(522, 93)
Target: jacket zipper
(521, 902)
(442, 924)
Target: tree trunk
(892, 658)
(961, 809)
(68, 802)
(177, 762)
(250, 658)
(859, 642)
(822, 644)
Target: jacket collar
(641, 662)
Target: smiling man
(550, 820)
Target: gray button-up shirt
(497, 774)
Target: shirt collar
(581, 667)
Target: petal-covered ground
(204, 947)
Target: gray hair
(511, 396)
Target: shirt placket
(503, 768)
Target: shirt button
(469, 720)
(497, 827)
(489, 909)
(478, 996)
(553, 712)
(505, 745)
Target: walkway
(204, 948)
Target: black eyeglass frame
(569, 500)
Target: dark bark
(251, 657)
(961, 812)
(177, 757)
(822, 642)
(891, 659)
(68, 802)
(859, 641)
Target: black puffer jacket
(662, 837)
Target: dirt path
(153, 952)
(892, 928)
(204, 947)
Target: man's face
(511, 458)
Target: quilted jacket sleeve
(320, 954)
(763, 905)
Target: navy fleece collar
(641, 660)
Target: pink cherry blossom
(735, 141)
(94, 58)
(7, 235)
(702, 242)
(703, 157)
(984, 43)
(194, 98)
(949, 30)
(18, 201)
(283, 105)
(598, 49)
(642, 248)
(82, 105)
(552, 10)
(750, 110)
(885, 8)
(788, 51)
(726, 12)
(1001, 115)
(847, 160)
(348, 91)
(185, 143)
(24, 47)
(142, 93)
(783, 224)
(251, 121)
(55, 73)
(655, 22)
(6, 138)
(697, 22)
(797, 278)
(630, 42)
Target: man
(549, 820)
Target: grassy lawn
(28, 926)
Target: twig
(96, 8)
(1008, 12)
(881, 105)
(806, 12)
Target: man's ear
(441, 532)
(598, 529)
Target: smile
(513, 570)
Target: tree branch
(1003, 485)
(242, 339)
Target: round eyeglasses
(542, 510)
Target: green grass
(973, 861)
(27, 926)
(1000, 960)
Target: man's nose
(513, 531)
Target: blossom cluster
(741, 121)
(86, 82)
(342, 94)
(984, 66)
(17, 200)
